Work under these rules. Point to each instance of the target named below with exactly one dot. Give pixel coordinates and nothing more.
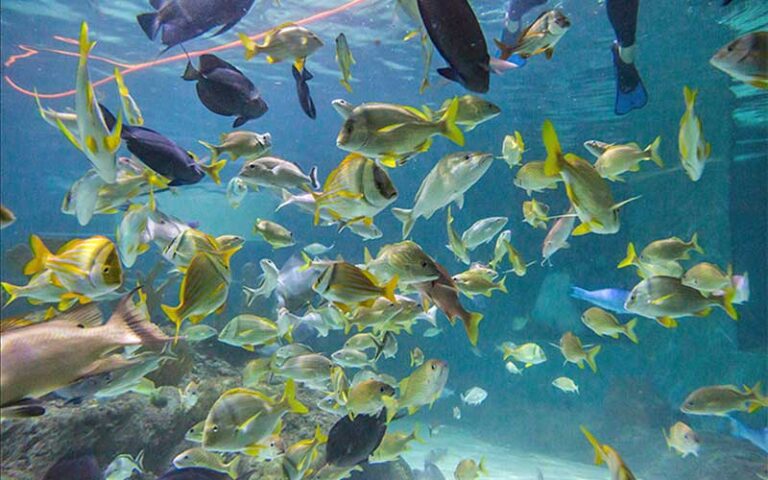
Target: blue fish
(83, 467)
(302, 90)
(182, 20)
(756, 436)
(612, 299)
(194, 473)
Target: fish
(456, 412)
(131, 379)
(430, 472)
(394, 133)
(273, 233)
(566, 384)
(612, 299)
(269, 282)
(128, 105)
(183, 20)
(447, 182)
(694, 149)
(483, 231)
(473, 111)
(557, 237)
(603, 323)
(345, 60)
(344, 283)
(248, 331)
(514, 15)
(468, 469)
(317, 248)
(92, 137)
(531, 177)
(312, 369)
(366, 397)
(757, 436)
(541, 36)
(240, 144)
(512, 149)
(274, 172)
(519, 267)
(596, 147)
(476, 282)
(416, 357)
(86, 268)
(241, 418)
(666, 299)
(193, 473)
(83, 467)
(284, 42)
(474, 396)
(456, 33)
(720, 400)
(203, 290)
(667, 268)
(41, 288)
(302, 457)
(427, 51)
(529, 354)
(393, 445)
(130, 233)
(355, 192)
(618, 159)
(683, 439)
(38, 359)
(535, 214)
(587, 191)
(352, 441)
(606, 454)
(182, 247)
(165, 157)
(302, 91)
(670, 249)
(455, 243)
(707, 278)
(512, 368)
(406, 260)
(236, 191)
(500, 248)
(422, 387)
(351, 358)
(123, 466)
(7, 217)
(574, 351)
(225, 90)
(199, 457)
(745, 59)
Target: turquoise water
(637, 390)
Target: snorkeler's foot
(630, 91)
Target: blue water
(638, 388)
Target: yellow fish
(694, 150)
(282, 42)
(606, 454)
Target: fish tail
(307, 262)
(406, 218)
(415, 435)
(13, 291)
(85, 45)
(690, 97)
(472, 326)
(758, 400)
(389, 289)
(112, 141)
(233, 467)
(345, 83)
(214, 170)
(506, 351)
(591, 355)
(289, 399)
(504, 49)
(666, 438)
(40, 257)
(390, 403)
(502, 286)
(553, 163)
(133, 324)
(251, 48)
(519, 140)
(726, 302)
(629, 330)
(653, 149)
(695, 243)
(173, 315)
(191, 74)
(631, 257)
(215, 150)
(448, 123)
(595, 444)
(150, 23)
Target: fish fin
(690, 96)
(502, 285)
(704, 312)
(248, 421)
(504, 49)
(25, 408)
(389, 160)
(631, 257)
(653, 150)
(405, 217)
(471, 325)
(448, 123)
(591, 355)
(271, 59)
(554, 161)
(191, 74)
(40, 256)
(662, 299)
(150, 23)
(411, 34)
(695, 243)
(390, 403)
(251, 48)
(346, 85)
(214, 170)
(629, 330)
(67, 133)
(240, 121)
(215, 151)
(299, 64)
(667, 322)
(582, 229)
(726, 302)
(389, 289)
(666, 438)
(173, 315)
(624, 202)
(549, 52)
(599, 454)
(112, 141)
(133, 325)
(289, 399)
(12, 290)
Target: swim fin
(630, 91)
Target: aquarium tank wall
(384, 239)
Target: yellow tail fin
(553, 163)
(690, 96)
(653, 149)
(472, 326)
(251, 49)
(391, 405)
(759, 401)
(173, 315)
(591, 354)
(214, 170)
(448, 123)
(631, 257)
(40, 253)
(85, 45)
(502, 286)
(481, 466)
(215, 152)
(629, 330)
(599, 456)
(389, 289)
(11, 290)
(289, 399)
(695, 243)
(726, 301)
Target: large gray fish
(182, 20)
(455, 31)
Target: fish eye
(105, 269)
(215, 428)
(381, 389)
(434, 367)
(424, 264)
(252, 166)
(271, 444)
(466, 157)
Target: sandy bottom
(500, 462)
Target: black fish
(81, 467)
(430, 472)
(224, 90)
(454, 30)
(302, 90)
(352, 441)
(162, 154)
(183, 20)
(194, 473)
